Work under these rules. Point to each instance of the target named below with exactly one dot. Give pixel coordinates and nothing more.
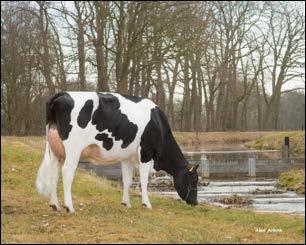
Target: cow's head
(185, 183)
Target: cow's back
(111, 121)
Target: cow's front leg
(127, 179)
(68, 171)
(144, 170)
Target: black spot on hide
(107, 142)
(108, 116)
(85, 114)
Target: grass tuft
(293, 180)
(234, 200)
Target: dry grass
(275, 140)
(205, 138)
(27, 218)
(254, 140)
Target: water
(275, 201)
(231, 151)
(240, 162)
(112, 171)
(262, 192)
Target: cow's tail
(44, 175)
(43, 180)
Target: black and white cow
(107, 128)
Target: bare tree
(284, 36)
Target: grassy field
(27, 218)
(293, 180)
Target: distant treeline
(211, 66)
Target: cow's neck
(171, 159)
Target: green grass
(27, 218)
(293, 180)
(275, 140)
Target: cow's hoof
(126, 205)
(69, 210)
(55, 208)
(146, 206)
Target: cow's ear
(190, 167)
(193, 168)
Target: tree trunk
(198, 110)
(43, 28)
(271, 116)
(259, 120)
(160, 92)
(193, 101)
(81, 48)
(100, 8)
(186, 99)
(244, 126)
(171, 92)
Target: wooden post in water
(285, 148)
(205, 168)
(252, 167)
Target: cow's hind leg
(54, 179)
(68, 171)
(127, 179)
